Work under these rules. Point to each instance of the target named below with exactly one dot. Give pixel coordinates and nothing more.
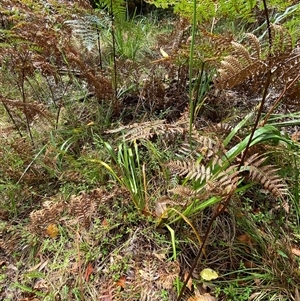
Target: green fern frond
(115, 7)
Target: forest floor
(108, 187)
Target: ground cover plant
(150, 150)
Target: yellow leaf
(163, 53)
(52, 230)
(296, 251)
(209, 274)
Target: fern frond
(254, 44)
(180, 168)
(148, 129)
(242, 53)
(182, 191)
(281, 41)
(225, 182)
(86, 29)
(190, 170)
(116, 7)
(83, 205)
(232, 64)
(42, 218)
(203, 146)
(247, 65)
(266, 175)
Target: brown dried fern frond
(242, 53)
(266, 175)
(215, 45)
(30, 109)
(83, 206)
(220, 128)
(207, 146)
(254, 44)
(149, 129)
(231, 75)
(225, 182)
(41, 219)
(182, 191)
(190, 170)
(282, 44)
(246, 65)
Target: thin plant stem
(12, 118)
(279, 99)
(114, 53)
(191, 61)
(99, 49)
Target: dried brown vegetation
(69, 229)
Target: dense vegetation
(149, 150)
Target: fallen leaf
(161, 210)
(163, 53)
(249, 264)
(296, 251)
(209, 274)
(189, 284)
(204, 297)
(89, 270)
(52, 230)
(121, 282)
(105, 223)
(246, 239)
(41, 285)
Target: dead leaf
(209, 274)
(161, 209)
(163, 53)
(296, 251)
(52, 230)
(204, 297)
(89, 270)
(41, 285)
(246, 239)
(189, 284)
(105, 223)
(249, 264)
(121, 282)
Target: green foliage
(132, 172)
(132, 39)
(115, 7)
(223, 11)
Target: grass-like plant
(128, 170)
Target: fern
(41, 219)
(149, 129)
(83, 206)
(115, 7)
(87, 29)
(247, 65)
(266, 175)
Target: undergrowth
(132, 145)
